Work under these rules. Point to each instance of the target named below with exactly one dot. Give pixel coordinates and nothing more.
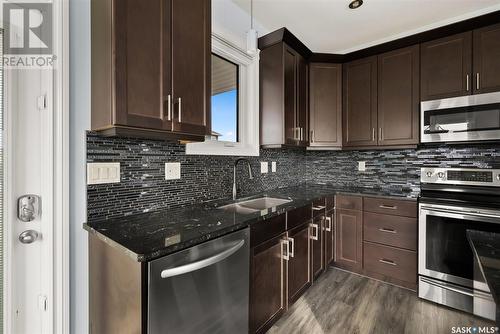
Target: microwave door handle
(193, 266)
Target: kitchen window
(235, 103)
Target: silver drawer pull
(390, 207)
(318, 208)
(292, 247)
(286, 252)
(387, 230)
(392, 263)
(329, 226)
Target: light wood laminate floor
(341, 302)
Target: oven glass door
(444, 251)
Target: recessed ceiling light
(355, 4)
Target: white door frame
(61, 224)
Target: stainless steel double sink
(254, 205)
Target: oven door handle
(461, 214)
(448, 287)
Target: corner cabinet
(283, 97)
(153, 81)
(325, 105)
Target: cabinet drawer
(390, 230)
(349, 202)
(319, 207)
(390, 206)
(265, 230)
(391, 262)
(298, 216)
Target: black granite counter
(151, 235)
(486, 249)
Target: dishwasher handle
(193, 266)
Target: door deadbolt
(28, 208)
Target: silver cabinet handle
(387, 230)
(312, 136)
(28, 237)
(373, 134)
(392, 263)
(318, 208)
(477, 80)
(292, 247)
(390, 207)
(193, 266)
(315, 227)
(286, 252)
(301, 133)
(169, 107)
(467, 84)
(179, 102)
(329, 226)
(380, 134)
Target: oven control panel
(461, 176)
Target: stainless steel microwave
(461, 119)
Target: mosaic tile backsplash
(143, 186)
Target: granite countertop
(486, 249)
(151, 235)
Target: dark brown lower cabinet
(299, 276)
(267, 283)
(317, 246)
(329, 251)
(349, 239)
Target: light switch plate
(361, 166)
(172, 170)
(273, 166)
(264, 167)
(103, 172)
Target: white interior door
(29, 160)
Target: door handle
(477, 80)
(467, 82)
(179, 103)
(387, 230)
(169, 107)
(392, 263)
(312, 136)
(28, 237)
(381, 134)
(390, 207)
(292, 247)
(315, 227)
(193, 266)
(373, 134)
(329, 226)
(286, 253)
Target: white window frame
(248, 95)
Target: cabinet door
(302, 100)
(360, 102)
(325, 95)
(317, 246)
(329, 238)
(191, 75)
(349, 239)
(290, 97)
(398, 97)
(140, 53)
(487, 59)
(446, 67)
(267, 284)
(299, 276)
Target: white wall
(79, 122)
(228, 20)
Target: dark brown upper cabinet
(486, 57)
(446, 67)
(283, 97)
(325, 105)
(153, 81)
(398, 97)
(360, 102)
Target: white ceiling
(330, 26)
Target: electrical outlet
(273, 166)
(264, 167)
(103, 172)
(361, 166)
(172, 170)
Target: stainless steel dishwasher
(203, 289)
